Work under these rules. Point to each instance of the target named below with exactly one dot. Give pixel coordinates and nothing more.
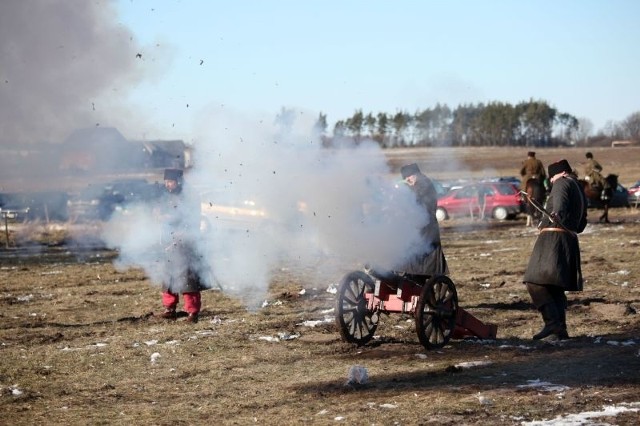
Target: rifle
(542, 210)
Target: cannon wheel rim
(353, 318)
(436, 312)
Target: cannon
(433, 301)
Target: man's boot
(561, 306)
(552, 322)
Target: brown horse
(600, 197)
(537, 192)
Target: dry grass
(78, 343)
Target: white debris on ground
(471, 364)
(587, 417)
(357, 375)
(26, 298)
(483, 399)
(280, 337)
(333, 288)
(15, 391)
(543, 386)
(155, 357)
(315, 323)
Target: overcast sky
(382, 56)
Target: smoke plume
(271, 195)
(65, 65)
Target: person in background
(181, 221)
(532, 168)
(430, 260)
(593, 172)
(554, 265)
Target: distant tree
(321, 124)
(383, 129)
(370, 125)
(355, 125)
(496, 124)
(631, 126)
(585, 129)
(400, 123)
(536, 122)
(339, 129)
(568, 127)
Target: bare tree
(585, 129)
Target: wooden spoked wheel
(436, 312)
(355, 320)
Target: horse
(537, 192)
(600, 196)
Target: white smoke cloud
(316, 202)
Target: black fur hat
(559, 167)
(173, 174)
(409, 170)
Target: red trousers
(192, 301)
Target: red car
(499, 200)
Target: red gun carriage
(364, 295)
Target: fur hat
(559, 167)
(409, 170)
(531, 154)
(173, 174)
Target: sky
(336, 57)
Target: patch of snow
(155, 357)
(15, 391)
(471, 364)
(302, 292)
(151, 342)
(587, 417)
(621, 272)
(421, 356)
(287, 336)
(389, 406)
(269, 339)
(545, 386)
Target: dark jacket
(555, 259)
(532, 168)
(430, 258)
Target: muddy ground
(82, 343)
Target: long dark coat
(180, 260)
(430, 259)
(555, 259)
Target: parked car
(30, 206)
(501, 201)
(99, 202)
(634, 194)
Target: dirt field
(82, 343)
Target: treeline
(531, 123)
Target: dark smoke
(65, 65)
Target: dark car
(99, 202)
(500, 200)
(28, 206)
(620, 198)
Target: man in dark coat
(554, 265)
(181, 223)
(430, 260)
